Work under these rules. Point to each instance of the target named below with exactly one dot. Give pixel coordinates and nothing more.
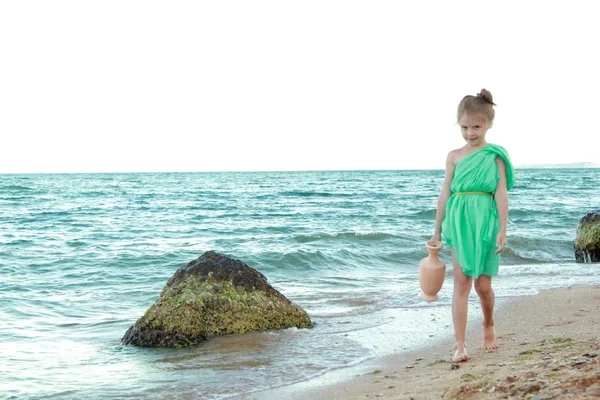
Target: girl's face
(473, 128)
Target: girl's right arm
(444, 196)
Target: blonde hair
(483, 103)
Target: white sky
(120, 86)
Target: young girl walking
(472, 213)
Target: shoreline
(540, 336)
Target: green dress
(471, 222)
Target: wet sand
(549, 348)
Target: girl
(472, 213)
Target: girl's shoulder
(455, 155)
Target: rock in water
(212, 296)
(587, 241)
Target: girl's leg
(460, 300)
(483, 286)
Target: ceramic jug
(432, 272)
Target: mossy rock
(211, 296)
(587, 241)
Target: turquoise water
(83, 256)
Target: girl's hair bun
(482, 103)
(486, 96)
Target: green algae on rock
(211, 296)
(587, 241)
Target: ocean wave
(526, 249)
(513, 256)
(16, 188)
(303, 259)
(303, 263)
(96, 193)
(19, 242)
(311, 193)
(524, 212)
(410, 256)
(51, 214)
(549, 269)
(352, 236)
(425, 213)
(77, 243)
(10, 198)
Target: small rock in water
(547, 358)
(454, 366)
(419, 359)
(591, 355)
(380, 395)
(409, 366)
(586, 239)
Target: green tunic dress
(471, 222)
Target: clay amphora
(432, 271)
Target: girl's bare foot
(489, 338)
(460, 355)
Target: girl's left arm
(502, 204)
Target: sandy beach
(549, 348)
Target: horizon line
(524, 166)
